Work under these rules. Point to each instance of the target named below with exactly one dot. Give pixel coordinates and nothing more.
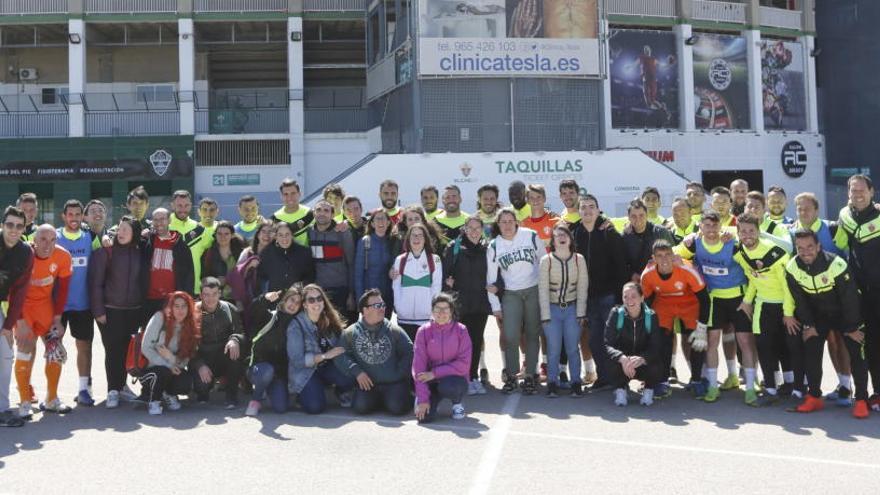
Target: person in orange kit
(41, 317)
(677, 291)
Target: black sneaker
(563, 380)
(599, 385)
(552, 390)
(202, 397)
(673, 375)
(484, 377)
(577, 390)
(785, 389)
(505, 376)
(529, 385)
(509, 386)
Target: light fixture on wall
(691, 41)
(74, 38)
(296, 36)
(815, 52)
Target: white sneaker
(112, 399)
(481, 390)
(127, 394)
(620, 397)
(172, 402)
(253, 408)
(155, 408)
(24, 410)
(458, 411)
(647, 397)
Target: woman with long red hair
(170, 340)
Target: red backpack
(135, 362)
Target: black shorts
(769, 316)
(81, 324)
(723, 312)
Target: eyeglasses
(314, 300)
(442, 309)
(378, 305)
(14, 226)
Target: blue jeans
(453, 388)
(312, 398)
(265, 382)
(563, 327)
(598, 309)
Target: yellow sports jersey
(524, 212)
(765, 268)
(571, 216)
(198, 239)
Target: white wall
(328, 155)
(697, 151)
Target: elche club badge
(161, 162)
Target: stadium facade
(230, 96)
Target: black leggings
(476, 327)
(696, 359)
(871, 309)
(773, 339)
(411, 330)
(814, 348)
(651, 373)
(115, 335)
(159, 380)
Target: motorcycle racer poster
(783, 90)
(721, 82)
(644, 79)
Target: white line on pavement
(492, 454)
(684, 448)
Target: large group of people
(387, 308)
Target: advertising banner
(548, 38)
(782, 77)
(92, 159)
(644, 79)
(614, 177)
(721, 82)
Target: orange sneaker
(860, 409)
(810, 404)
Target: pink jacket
(444, 350)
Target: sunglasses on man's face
(14, 226)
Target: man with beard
(77, 314)
(777, 202)
(723, 204)
(696, 198)
(516, 193)
(298, 217)
(28, 204)
(860, 219)
(95, 217)
(388, 195)
(197, 237)
(568, 194)
(738, 189)
(333, 254)
(354, 217)
(452, 218)
(682, 223)
(250, 218)
(430, 195)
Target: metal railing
(33, 124)
(338, 120)
(132, 123)
(243, 121)
(710, 10)
(27, 7)
(781, 18)
(242, 152)
(209, 6)
(655, 8)
(333, 5)
(129, 6)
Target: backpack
(135, 361)
(430, 263)
(649, 314)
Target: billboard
(782, 79)
(614, 177)
(644, 79)
(548, 38)
(721, 82)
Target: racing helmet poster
(548, 38)
(721, 82)
(644, 79)
(783, 86)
